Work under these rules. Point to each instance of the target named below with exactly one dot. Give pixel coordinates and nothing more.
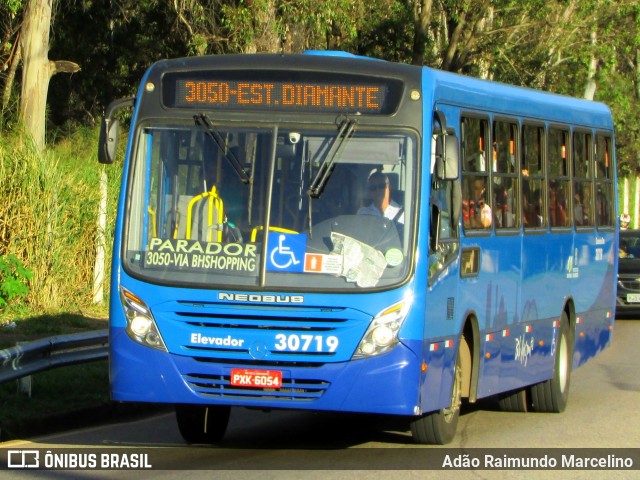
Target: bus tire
(515, 401)
(439, 427)
(552, 395)
(202, 424)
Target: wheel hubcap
(563, 363)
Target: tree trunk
(37, 70)
(637, 75)
(486, 24)
(422, 17)
(265, 38)
(8, 84)
(449, 63)
(590, 88)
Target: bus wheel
(202, 424)
(439, 428)
(515, 401)
(552, 395)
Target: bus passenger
(557, 207)
(578, 212)
(381, 202)
(625, 219)
(478, 213)
(623, 251)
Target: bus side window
(445, 218)
(604, 182)
(443, 244)
(476, 208)
(505, 175)
(583, 179)
(559, 182)
(534, 183)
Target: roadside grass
(64, 397)
(21, 328)
(48, 217)
(61, 397)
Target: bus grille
(263, 363)
(219, 386)
(630, 284)
(247, 333)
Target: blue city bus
(329, 232)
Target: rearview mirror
(450, 157)
(446, 167)
(108, 141)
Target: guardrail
(32, 357)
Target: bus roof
(500, 98)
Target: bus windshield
(306, 208)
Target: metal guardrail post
(40, 355)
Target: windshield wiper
(202, 120)
(345, 130)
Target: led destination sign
(339, 95)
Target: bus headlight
(382, 334)
(141, 327)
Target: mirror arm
(107, 143)
(117, 105)
(442, 120)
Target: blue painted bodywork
(524, 284)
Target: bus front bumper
(385, 384)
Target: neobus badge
(245, 297)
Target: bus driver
(381, 202)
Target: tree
(10, 52)
(619, 75)
(421, 19)
(224, 26)
(37, 69)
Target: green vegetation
(47, 248)
(58, 399)
(57, 395)
(13, 279)
(48, 220)
(41, 326)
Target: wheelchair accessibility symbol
(286, 252)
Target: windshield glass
(629, 245)
(335, 204)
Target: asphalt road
(602, 413)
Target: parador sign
(201, 256)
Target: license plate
(243, 377)
(633, 297)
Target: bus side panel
(437, 381)
(493, 296)
(526, 353)
(441, 339)
(593, 290)
(537, 284)
(544, 294)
